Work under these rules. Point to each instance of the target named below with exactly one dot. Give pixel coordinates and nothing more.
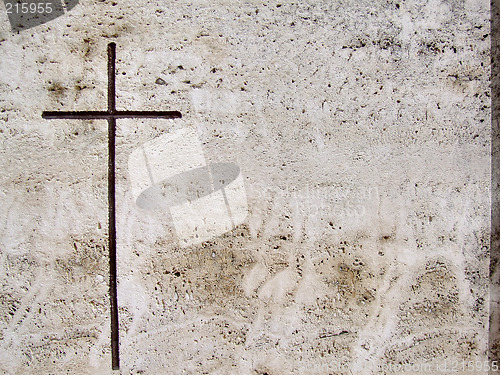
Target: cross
(111, 115)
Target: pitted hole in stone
(188, 186)
(69, 4)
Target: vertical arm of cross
(115, 359)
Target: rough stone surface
(362, 130)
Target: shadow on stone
(26, 14)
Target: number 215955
(25, 8)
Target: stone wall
(362, 133)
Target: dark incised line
(102, 115)
(111, 78)
(115, 347)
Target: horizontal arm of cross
(104, 115)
